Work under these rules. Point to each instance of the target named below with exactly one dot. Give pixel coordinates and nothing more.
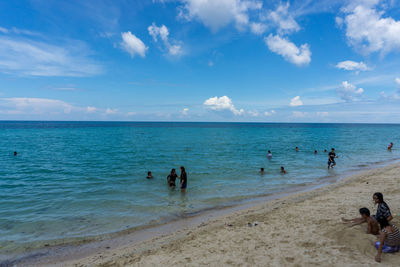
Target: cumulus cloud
(22, 56)
(288, 50)
(322, 114)
(133, 45)
(258, 28)
(35, 106)
(110, 111)
(368, 30)
(352, 65)
(185, 111)
(269, 113)
(349, 92)
(162, 32)
(222, 103)
(253, 113)
(90, 109)
(283, 19)
(296, 101)
(217, 14)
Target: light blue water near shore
(78, 179)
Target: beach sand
(302, 229)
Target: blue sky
(200, 60)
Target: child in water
(283, 170)
(149, 176)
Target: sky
(200, 60)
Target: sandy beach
(302, 229)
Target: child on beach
(331, 159)
(389, 240)
(383, 208)
(373, 227)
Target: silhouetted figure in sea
(262, 171)
(149, 175)
(171, 178)
(183, 178)
(15, 153)
(283, 170)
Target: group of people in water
(171, 179)
(389, 234)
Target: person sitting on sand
(331, 159)
(389, 240)
(390, 146)
(183, 179)
(149, 176)
(283, 170)
(269, 155)
(171, 178)
(262, 171)
(383, 208)
(373, 227)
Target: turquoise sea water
(79, 179)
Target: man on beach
(373, 227)
(331, 159)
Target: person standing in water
(283, 170)
(262, 171)
(149, 176)
(390, 146)
(183, 178)
(269, 155)
(171, 178)
(331, 159)
(297, 149)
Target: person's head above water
(149, 173)
(15, 153)
(378, 197)
(325, 150)
(365, 212)
(283, 169)
(262, 169)
(315, 152)
(173, 171)
(269, 151)
(332, 149)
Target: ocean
(74, 180)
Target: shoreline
(173, 230)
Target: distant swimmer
(331, 159)
(390, 146)
(15, 153)
(283, 170)
(325, 150)
(269, 155)
(171, 178)
(297, 149)
(149, 176)
(315, 152)
(183, 178)
(262, 171)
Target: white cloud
(3, 30)
(349, 92)
(283, 19)
(34, 106)
(26, 57)
(131, 113)
(397, 80)
(299, 114)
(289, 51)
(110, 111)
(90, 109)
(217, 14)
(222, 103)
(258, 28)
(296, 101)
(133, 45)
(163, 33)
(185, 111)
(322, 114)
(352, 65)
(269, 113)
(253, 113)
(368, 30)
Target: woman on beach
(183, 178)
(171, 178)
(383, 208)
(389, 240)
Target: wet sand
(302, 229)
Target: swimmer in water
(15, 153)
(269, 155)
(183, 178)
(390, 146)
(149, 176)
(331, 159)
(297, 149)
(262, 171)
(315, 152)
(171, 178)
(283, 170)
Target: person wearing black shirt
(171, 178)
(331, 160)
(183, 178)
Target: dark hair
(269, 151)
(365, 211)
(183, 169)
(383, 222)
(379, 196)
(332, 148)
(282, 168)
(173, 170)
(262, 169)
(148, 173)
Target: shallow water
(78, 179)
